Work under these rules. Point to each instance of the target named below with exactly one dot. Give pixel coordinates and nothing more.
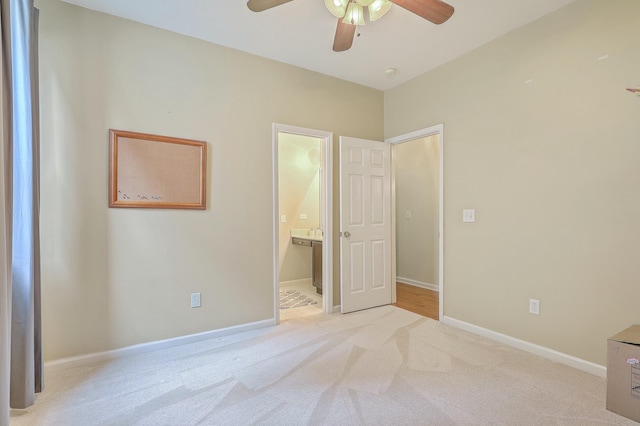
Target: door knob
(347, 234)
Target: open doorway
(302, 222)
(417, 206)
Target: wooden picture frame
(160, 172)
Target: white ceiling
(301, 32)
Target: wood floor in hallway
(418, 300)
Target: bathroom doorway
(302, 222)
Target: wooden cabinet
(316, 259)
(316, 266)
(301, 242)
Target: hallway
(417, 299)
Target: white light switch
(407, 214)
(283, 218)
(469, 215)
(303, 216)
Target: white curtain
(5, 214)
(21, 371)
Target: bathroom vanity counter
(306, 235)
(311, 238)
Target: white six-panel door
(365, 224)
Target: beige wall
(552, 167)
(118, 277)
(417, 176)
(299, 162)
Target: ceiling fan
(350, 13)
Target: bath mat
(294, 299)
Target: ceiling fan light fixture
(354, 15)
(337, 7)
(378, 8)
(365, 3)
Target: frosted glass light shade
(364, 3)
(354, 15)
(378, 8)
(337, 7)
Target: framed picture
(151, 171)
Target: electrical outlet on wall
(469, 215)
(534, 306)
(195, 300)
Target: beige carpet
(383, 366)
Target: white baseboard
(571, 361)
(303, 281)
(415, 283)
(153, 346)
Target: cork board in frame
(151, 171)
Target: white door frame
(326, 207)
(418, 134)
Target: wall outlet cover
(195, 300)
(469, 215)
(534, 306)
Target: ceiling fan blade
(260, 5)
(435, 11)
(344, 36)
